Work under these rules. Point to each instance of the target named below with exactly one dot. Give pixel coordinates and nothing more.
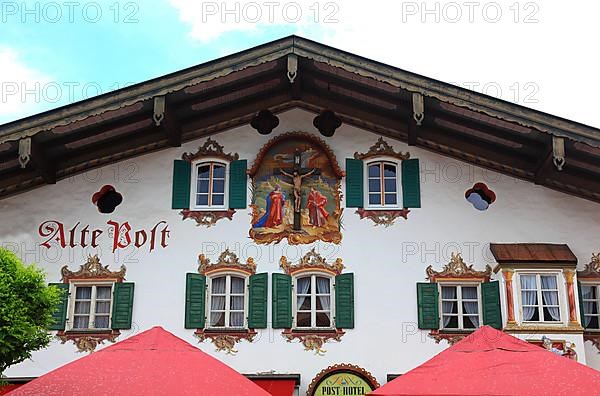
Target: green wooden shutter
(354, 183)
(237, 184)
(580, 295)
(122, 305)
(182, 174)
(195, 301)
(411, 184)
(490, 295)
(427, 301)
(59, 317)
(257, 301)
(344, 301)
(282, 301)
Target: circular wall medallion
(342, 379)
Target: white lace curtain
(550, 296)
(303, 288)
(529, 296)
(217, 303)
(470, 307)
(323, 287)
(448, 293)
(589, 307)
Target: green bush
(26, 307)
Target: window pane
(203, 172)
(470, 322)
(588, 292)
(103, 292)
(202, 186)
(374, 170)
(219, 186)
(81, 322)
(390, 185)
(322, 285)
(217, 319)
(593, 322)
(549, 282)
(449, 307)
(529, 297)
(217, 303)
(303, 303)
(551, 314)
(82, 307)
(590, 307)
(237, 285)
(374, 199)
(470, 308)
(528, 282)
(323, 319)
(389, 170)
(323, 303)
(390, 199)
(236, 319)
(219, 171)
(202, 199)
(451, 322)
(469, 293)
(102, 307)
(303, 319)
(449, 292)
(218, 199)
(236, 303)
(83, 293)
(218, 285)
(101, 322)
(374, 185)
(303, 285)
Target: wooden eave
(228, 92)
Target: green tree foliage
(26, 307)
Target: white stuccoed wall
(387, 262)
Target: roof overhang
(229, 91)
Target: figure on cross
(297, 184)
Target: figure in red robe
(317, 213)
(274, 214)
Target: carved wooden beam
(41, 163)
(544, 163)
(164, 116)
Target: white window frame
(227, 274)
(562, 302)
(597, 300)
(399, 204)
(71, 309)
(460, 313)
(194, 184)
(313, 297)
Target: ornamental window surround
(314, 301)
(227, 301)
(209, 185)
(460, 305)
(90, 306)
(383, 184)
(540, 297)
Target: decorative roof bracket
(418, 107)
(24, 152)
(558, 152)
(292, 67)
(159, 110)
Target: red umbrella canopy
(490, 362)
(154, 362)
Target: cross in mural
(297, 175)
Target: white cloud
(21, 87)
(538, 54)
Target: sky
(542, 55)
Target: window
(460, 307)
(209, 186)
(313, 302)
(382, 184)
(91, 306)
(227, 305)
(590, 297)
(540, 298)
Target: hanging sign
(342, 380)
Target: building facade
(294, 208)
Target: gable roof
(229, 91)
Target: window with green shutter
(195, 299)
(181, 184)
(411, 184)
(344, 301)
(354, 183)
(492, 313)
(59, 317)
(282, 301)
(427, 303)
(122, 305)
(257, 301)
(238, 189)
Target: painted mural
(296, 191)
